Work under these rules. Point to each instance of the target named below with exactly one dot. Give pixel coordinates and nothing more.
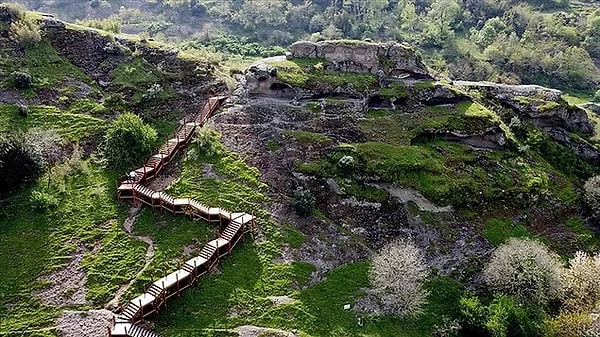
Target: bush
(304, 202)
(592, 196)
(596, 96)
(128, 141)
(42, 201)
(397, 276)
(507, 318)
(24, 32)
(206, 143)
(346, 163)
(473, 315)
(582, 283)
(568, 325)
(526, 269)
(20, 162)
(152, 93)
(23, 110)
(21, 80)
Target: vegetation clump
(24, 32)
(398, 273)
(582, 283)
(592, 195)
(128, 141)
(304, 201)
(525, 269)
(21, 79)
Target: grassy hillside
(476, 171)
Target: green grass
(497, 231)
(583, 233)
(47, 68)
(304, 74)
(240, 288)
(575, 99)
(34, 243)
(134, 74)
(451, 173)
(307, 137)
(293, 237)
(398, 128)
(71, 126)
(395, 89)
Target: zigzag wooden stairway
(132, 188)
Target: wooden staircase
(132, 188)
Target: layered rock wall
(390, 59)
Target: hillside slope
(334, 152)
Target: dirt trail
(128, 225)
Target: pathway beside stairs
(133, 188)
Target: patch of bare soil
(67, 284)
(93, 323)
(256, 331)
(166, 177)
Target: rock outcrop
(261, 78)
(391, 60)
(542, 106)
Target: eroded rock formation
(390, 59)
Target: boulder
(393, 59)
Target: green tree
(128, 141)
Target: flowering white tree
(526, 269)
(582, 283)
(397, 276)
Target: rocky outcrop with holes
(387, 59)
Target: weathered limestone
(391, 59)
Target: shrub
(592, 195)
(24, 32)
(42, 201)
(128, 141)
(346, 163)
(23, 110)
(15, 10)
(20, 162)
(206, 143)
(506, 317)
(473, 315)
(397, 276)
(304, 202)
(114, 101)
(568, 325)
(152, 93)
(582, 283)
(526, 269)
(21, 80)
(596, 96)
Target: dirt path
(128, 225)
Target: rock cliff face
(389, 59)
